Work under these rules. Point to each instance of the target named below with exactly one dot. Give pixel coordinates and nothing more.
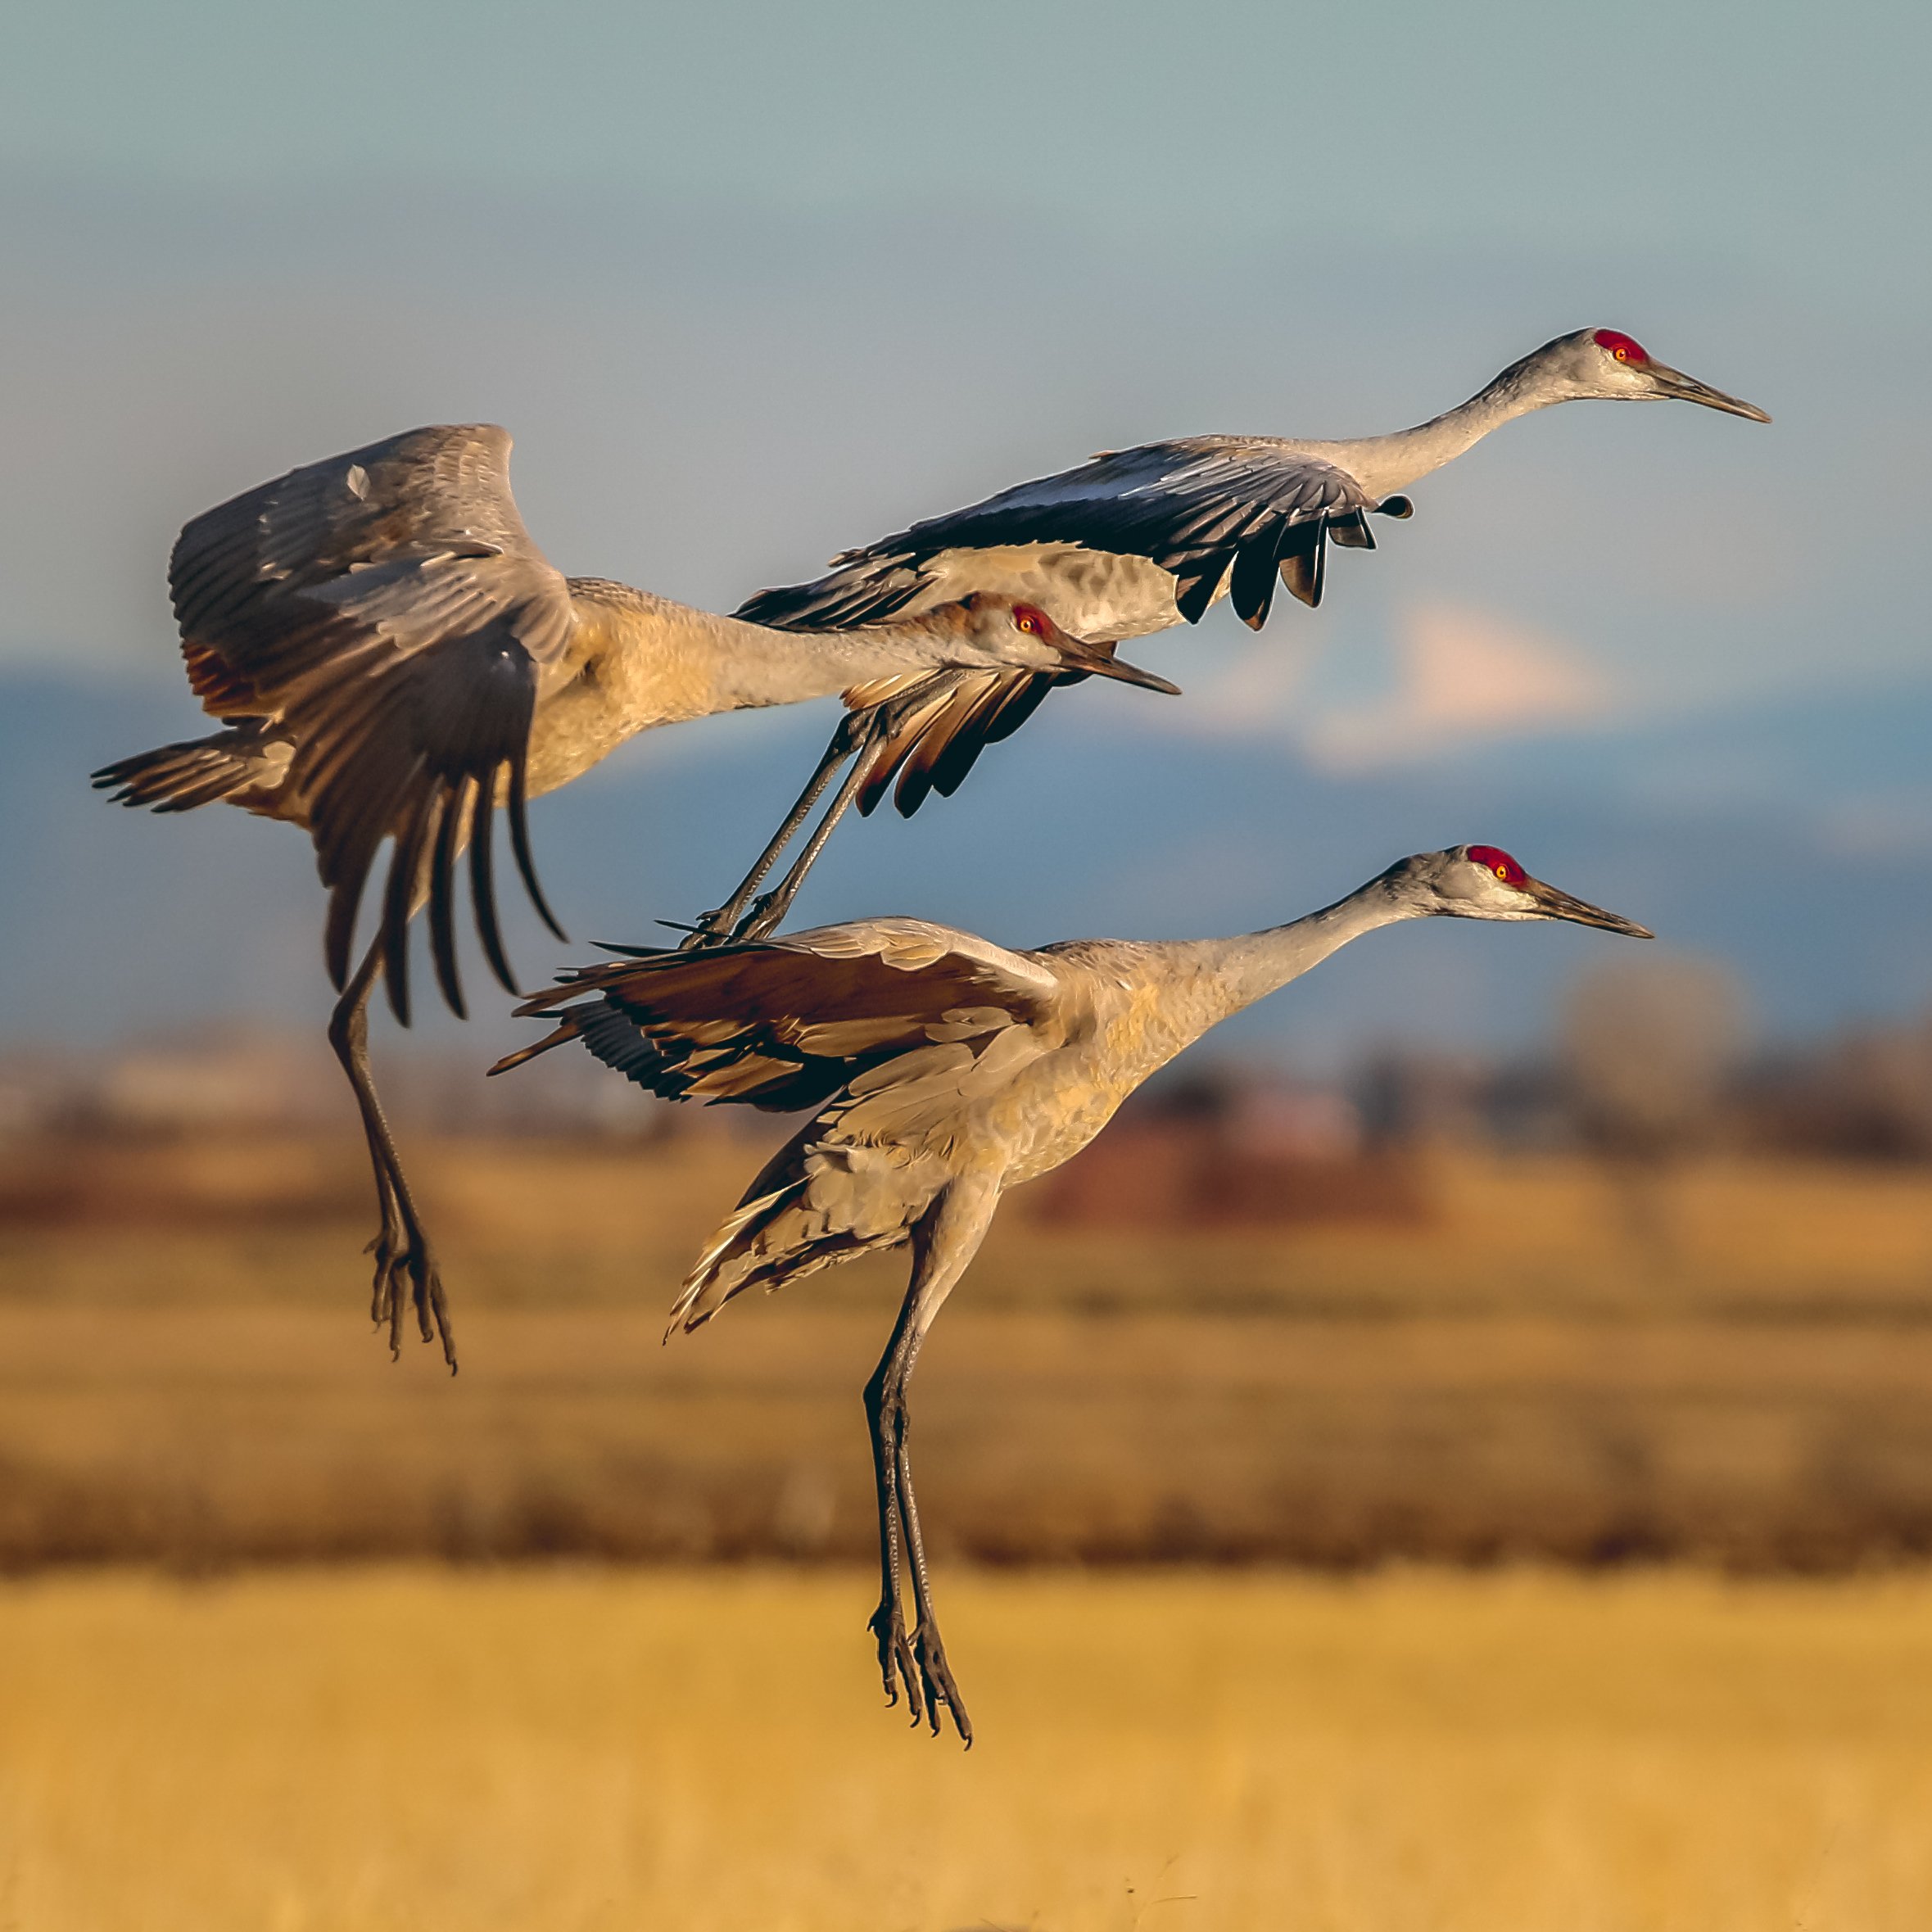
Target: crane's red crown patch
(1498, 862)
(1625, 348)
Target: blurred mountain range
(1790, 839)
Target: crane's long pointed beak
(1676, 386)
(1554, 904)
(1105, 666)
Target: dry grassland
(184, 1376)
(538, 1751)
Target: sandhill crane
(1134, 540)
(392, 658)
(944, 1069)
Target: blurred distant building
(1229, 1149)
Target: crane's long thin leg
(884, 1396)
(929, 1653)
(767, 914)
(722, 924)
(944, 1241)
(401, 1246)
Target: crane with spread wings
(942, 1070)
(391, 658)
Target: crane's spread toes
(897, 1663)
(406, 1277)
(936, 1676)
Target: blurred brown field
(1485, 1358)
(552, 1750)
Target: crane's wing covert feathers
(1199, 507)
(946, 720)
(783, 1024)
(389, 607)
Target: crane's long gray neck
(1384, 465)
(1229, 975)
(753, 665)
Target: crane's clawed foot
(407, 1277)
(897, 1663)
(707, 932)
(936, 1676)
(735, 924)
(766, 914)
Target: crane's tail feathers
(731, 1260)
(178, 777)
(772, 1239)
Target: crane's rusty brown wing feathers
(1199, 507)
(784, 1024)
(389, 608)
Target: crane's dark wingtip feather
(442, 895)
(405, 863)
(554, 1039)
(1251, 587)
(482, 884)
(345, 901)
(520, 844)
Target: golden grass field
(186, 1381)
(587, 1751)
(187, 1374)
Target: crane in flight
(1134, 540)
(392, 658)
(943, 1070)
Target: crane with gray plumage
(943, 1070)
(1134, 540)
(391, 658)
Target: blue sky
(752, 282)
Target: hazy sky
(749, 283)
(1790, 136)
(752, 282)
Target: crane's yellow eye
(1032, 621)
(1503, 873)
(1622, 354)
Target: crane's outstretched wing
(784, 1024)
(389, 608)
(1204, 510)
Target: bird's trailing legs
(405, 1263)
(861, 737)
(944, 1241)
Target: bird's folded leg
(719, 927)
(768, 913)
